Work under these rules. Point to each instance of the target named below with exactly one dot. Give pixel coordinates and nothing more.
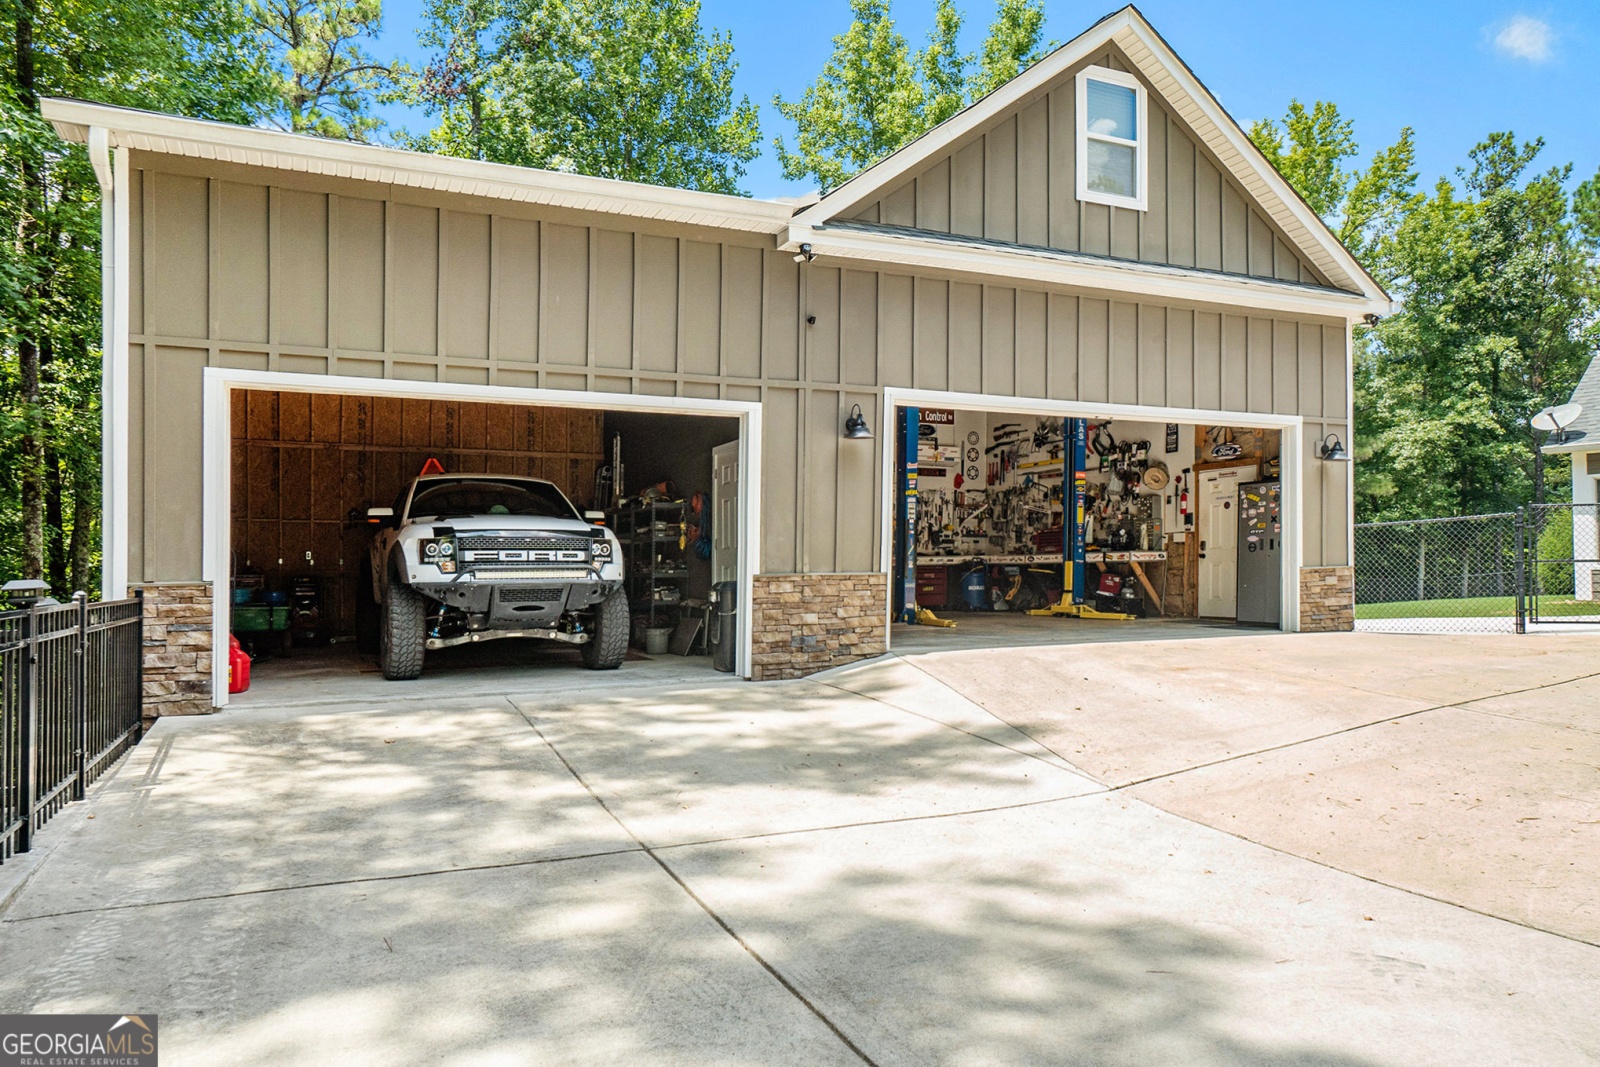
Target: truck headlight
(602, 550)
(439, 552)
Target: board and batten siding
(257, 269)
(1016, 182)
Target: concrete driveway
(916, 861)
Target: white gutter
(1112, 278)
(111, 171)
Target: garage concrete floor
(965, 857)
(338, 674)
(992, 629)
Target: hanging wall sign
(937, 416)
(1172, 437)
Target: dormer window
(1111, 138)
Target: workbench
(1136, 562)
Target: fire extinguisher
(1183, 500)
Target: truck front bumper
(520, 603)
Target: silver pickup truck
(463, 558)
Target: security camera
(805, 255)
(1371, 319)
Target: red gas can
(238, 667)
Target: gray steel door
(1260, 553)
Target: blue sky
(1452, 71)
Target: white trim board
(216, 457)
(1290, 455)
(1116, 279)
(111, 171)
(151, 131)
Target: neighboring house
(1581, 440)
(1097, 239)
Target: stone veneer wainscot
(1327, 599)
(804, 623)
(177, 648)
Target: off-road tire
(608, 637)
(367, 625)
(402, 632)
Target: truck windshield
(462, 499)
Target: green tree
(630, 89)
(942, 67)
(1499, 288)
(1015, 43)
(324, 78)
(873, 95)
(867, 101)
(185, 56)
(457, 85)
(1499, 299)
(1363, 207)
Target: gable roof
(1184, 94)
(1584, 433)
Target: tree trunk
(32, 441)
(55, 525)
(1538, 474)
(83, 534)
(32, 460)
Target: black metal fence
(1496, 573)
(1562, 572)
(72, 703)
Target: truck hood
(486, 523)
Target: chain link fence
(1450, 575)
(1498, 573)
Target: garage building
(1094, 252)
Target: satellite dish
(1557, 418)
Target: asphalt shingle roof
(1587, 393)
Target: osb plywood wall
(306, 467)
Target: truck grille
(488, 551)
(532, 595)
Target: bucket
(655, 640)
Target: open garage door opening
(395, 536)
(1010, 523)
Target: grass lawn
(1477, 607)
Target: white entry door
(1219, 539)
(725, 512)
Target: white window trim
(1140, 145)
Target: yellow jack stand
(1080, 611)
(928, 618)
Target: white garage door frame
(1291, 454)
(220, 384)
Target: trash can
(724, 625)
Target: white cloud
(1525, 37)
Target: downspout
(111, 171)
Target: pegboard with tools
(989, 484)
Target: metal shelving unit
(652, 537)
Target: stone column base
(1327, 599)
(805, 623)
(177, 648)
